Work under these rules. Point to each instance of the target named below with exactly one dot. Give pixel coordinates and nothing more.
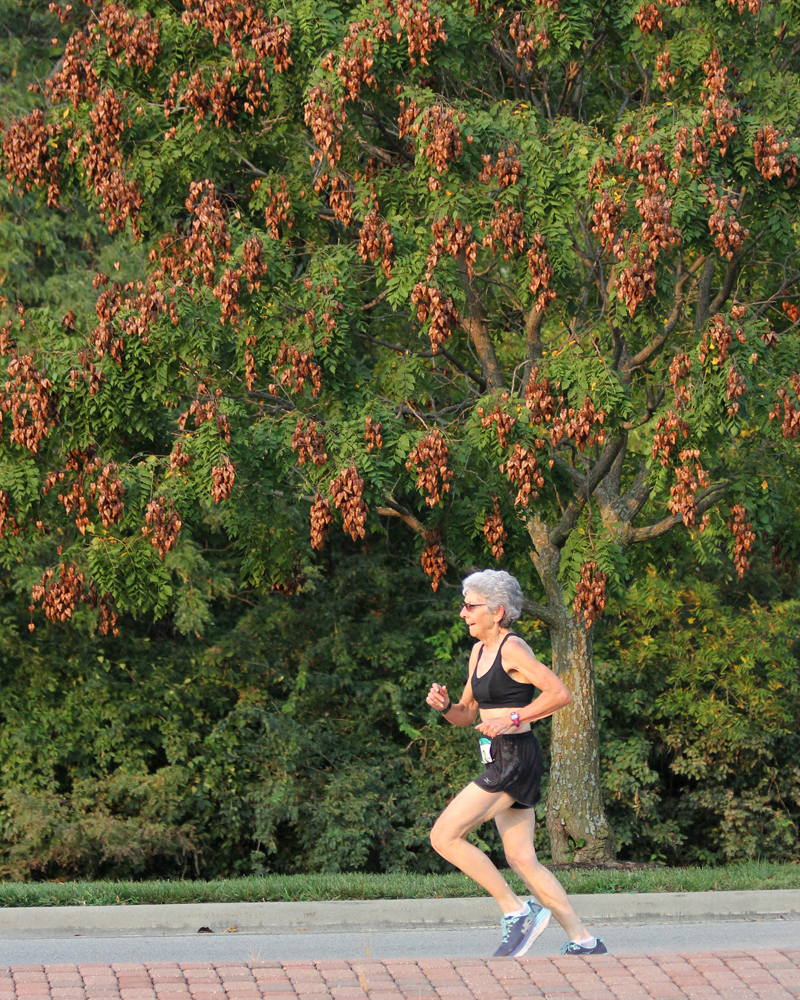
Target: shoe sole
(536, 931)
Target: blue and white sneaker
(516, 933)
(541, 919)
(573, 948)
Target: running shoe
(541, 918)
(573, 948)
(516, 932)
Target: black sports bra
(497, 688)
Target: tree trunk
(574, 801)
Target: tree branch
(727, 287)
(560, 533)
(395, 510)
(479, 379)
(786, 284)
(533, 328)
(474, 324)
(645, 534)
(540, 611)
(643, 356)
(704, 294)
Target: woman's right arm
(464, 711)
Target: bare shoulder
(517, 647)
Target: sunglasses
(471, 607)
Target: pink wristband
(515, 719)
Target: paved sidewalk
(742, 975)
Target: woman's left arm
(518, 657)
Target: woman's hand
(438, 697)
(494, 728)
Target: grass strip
(398, 885)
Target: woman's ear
(500, 614)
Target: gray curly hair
(496, 587)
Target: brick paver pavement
(741, 975)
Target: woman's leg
(516, 828)
(468, 810)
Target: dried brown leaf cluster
(109, 493)
(423, 30)
(8, 523)
(507, 168)
(679, 369)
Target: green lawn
(280, 888)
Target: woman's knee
(441, 837)
(520, 856)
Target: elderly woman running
(503, 673)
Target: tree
(523, 278)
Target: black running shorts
(516, 768)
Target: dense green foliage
(144, 448)
(295, 738)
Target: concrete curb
(171, 919)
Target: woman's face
(475, 612)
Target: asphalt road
(722, 935)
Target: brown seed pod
(433, 305)
(691, 477)
(165, 525)
(790, 426)
(109, 493)
(347, 491)
(590, 594)
(373, 434)
(495, 531)
(59, 597)
(522, 469)
(7, 520)
(309, 443)
(429, 461)
(297, 367)
(434, 561)
(224, 477)
(504, 421)
(744, 537)
(666, 436)
(321, 521)
(31, 401)
(541, 273)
